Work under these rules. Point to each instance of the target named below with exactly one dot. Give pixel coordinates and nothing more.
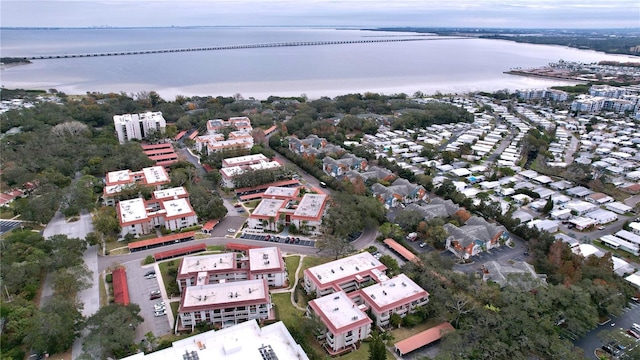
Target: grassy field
(292, 265)
(6, 214)
(285, 310)
(311, 261)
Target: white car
(231, 230)
(158, 314)
(159, 307)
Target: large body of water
(446, 65)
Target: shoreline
(534, 75)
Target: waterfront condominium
(138, 126)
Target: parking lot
(140, 289)
(280, 239)
(8, 225)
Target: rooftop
(118, 176)
(243, 341)
(281, 191)
(170, 193)
(268, 207)
(338, 311)
(265, 259)
(191, 264)
(224, 294)
(177, 207)
(311, 205)
(348, 267)
(155, 174)
(393, 291)
(243, 160)
(132, 210)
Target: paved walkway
(292, 289)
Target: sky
(333, 13)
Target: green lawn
(285, 310)
(311, 261)
(6, 213)
(292, 265)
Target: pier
(234, 47)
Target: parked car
(155, 294)
(150, 275)
(231, 230)
(601, 228)
(158, 314)
(633, 333)
(423, 245)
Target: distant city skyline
(567, 14)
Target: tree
(391, 264)
(409, 219)
(105, 221)
(112, 331)
(395, 320)
(65, 252)
(56, 326)
(334, 245)
(377, 350)
(68, 282)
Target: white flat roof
(155, 174)
(339, 310)
(132, 210)
(245, 159)
(169, 193)
(393, 290)
(226, 293)
(265, 165)
(280, 191)
(265, 259)
(222, 261)
(238, 342)
(268, 207)
(118, 176)
(310, 205)
(177, 207)
(345, 267)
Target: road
(89, 297)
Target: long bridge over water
(235, 47)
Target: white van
(635, 327)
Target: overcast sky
(357, 13)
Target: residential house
(338, 167)
(519, 274)
(475, 236)
(401, 191)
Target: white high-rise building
(138, 126)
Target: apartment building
(261, 263)
(169, 208)
(138, 126)
(214, 140)
(282, 206)
(345, 323)
(239, 342)
(398, 295)
(228, 174)
(118, 181)
(225, 304)
(347, 274)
